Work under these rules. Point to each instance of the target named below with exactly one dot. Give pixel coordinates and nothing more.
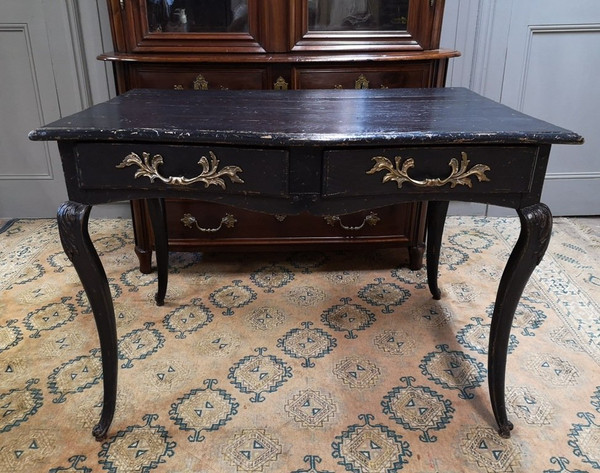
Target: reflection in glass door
(357, 15)
(197, 16)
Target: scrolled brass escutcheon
(280, 84)
(210, 175)
(361, 82)
(190, 221)
(200, 83)
(459, 175)
(371, 219)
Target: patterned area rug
(300, 362)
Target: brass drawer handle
(360, 83)
(189, 220)
(458, 176)
(370, 219)
(210, 174)
(200, 83)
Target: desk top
(305, 117)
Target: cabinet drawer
(195, 168)
(419, 170)
(414, 74)
(199, 77)
(201, 223)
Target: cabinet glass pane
(197, 16)
(357, 15)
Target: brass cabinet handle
(370, 219)
(200, 83)
(189, 221)
(148, 167)
(360, 83)
(458, 176)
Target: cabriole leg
(73, 228)
(536, 226)
(436, 217)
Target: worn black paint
(305, 117)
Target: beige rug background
(302, 361)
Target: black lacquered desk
(325, 152)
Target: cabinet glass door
(192, 26)
(277, 26)
(197, 16)
(366, 25)
(357, 15)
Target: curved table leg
(73, 228)
(536, 226)
(158, 217)
(436, 216)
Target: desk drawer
(205, 223)
(422, 170)
(185, 168)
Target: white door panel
(541, 57)
(552, 66)
(45, 74)
(27, 99)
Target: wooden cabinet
(280, 45)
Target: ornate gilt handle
(189, 220)
(370, 219)
(148, 167)
(460, 175)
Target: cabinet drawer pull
(370, 219)
(210, 174)
(360, 83)
(189, 220)
(459, 175)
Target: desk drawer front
(185, 168)
(205, 222)
(422, 170)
